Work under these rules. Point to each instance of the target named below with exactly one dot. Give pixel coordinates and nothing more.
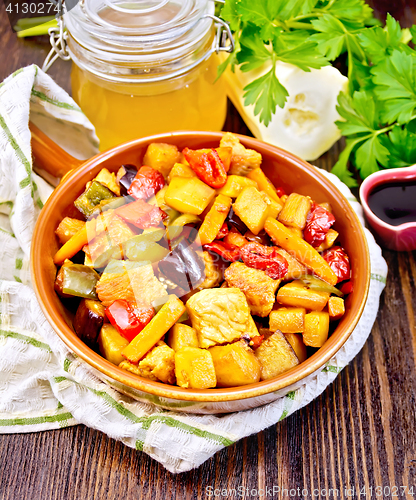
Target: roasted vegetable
(296, 341)
(162, 157)
(330, 238)
(129, 319)
(235, 364)
(257, 287)
(339, 262)
(214, 219)
(181, 170)
(319, 285)
(235, 184)
(275, 207)
(235, 238)
(318, 223)
(134, 282)
(234, 221)
(276, 356)
(182, 336)
(264, 184)
(59, 280)
(92, 196)
(108, 180)
(226, 250)
(264, 258)
(88, 320)
(213, 272)
(77, 280)
(188, 195)
(316, 329)
(251, 208)
(297, 294)
(168, 315)
(141, 214)
(183, 267)
(300, 249)
(125, 177)
(219, 315)
(111, 343)
(194, 368)
(288, 319)
(75, 244)
(295, 210)
(147, 183)
(295, 268)
(208, 166)
(68, 228)
(158, 364)
(336, 308)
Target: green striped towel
(42, 385)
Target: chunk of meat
(129, 281)
(219, 315)
(243, 160)
(213, 272)
(158, 364)
(258, 288)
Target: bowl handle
(50, 157)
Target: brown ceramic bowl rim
(303, 370)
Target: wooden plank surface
(361, 433)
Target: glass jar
(142, 67)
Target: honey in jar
(145, 67)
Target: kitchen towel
(42, 385)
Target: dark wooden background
(361, 432)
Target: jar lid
(149, 38)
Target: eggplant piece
(263, 238)
(125, 176)
(234, 220)
(183, 267)
(88, 321)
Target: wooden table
(361, 432)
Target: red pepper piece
(256, 341)
(146, 184)
(318, 223)
(141, 214)
(222, 233)
(339, 262)
(207, 166)
(346, 288)
(128, 319)
(265, 258)
(280, 192)
(227, 251)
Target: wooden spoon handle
(49, 156)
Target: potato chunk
(336, 308)
(258, 288)
(188, 195)
(243, 160)
(158, 364)
(181, 170)
(235, 364)
(287, 319)
(297, 294)
(162, 157)
(194, 368)
(295, 210)
(276, 356)
(235, 184)
(316, 328)
(219, 315)
(296, 341)
(111, 343)
(182, 336)
(67, 228)
(129, 281)
(213, 272)
(252, 209)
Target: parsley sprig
(378, 114)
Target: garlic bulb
(306, 125)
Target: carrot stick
(75, 244)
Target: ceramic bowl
(403, 237)
(284, 169)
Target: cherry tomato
(146, 184)
(207, 166)
(265, 258)
(318, 223)
(339, 262)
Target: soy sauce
(395, 202)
